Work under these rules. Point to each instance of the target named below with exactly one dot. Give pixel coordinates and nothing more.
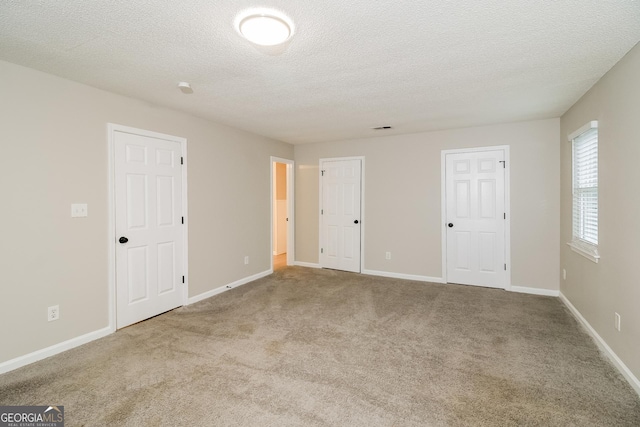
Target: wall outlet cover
(53, 313)
(79, 210)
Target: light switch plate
(79, 210)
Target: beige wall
(612, 285)
(54, 153)
(402, 198)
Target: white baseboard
(306, 264)
(225, 288)
(535, 291)
(617, 362)
(404, 276)
(21, 361)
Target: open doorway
(282, 212)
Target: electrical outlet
(246, 260)
(53, 313)
(617, 322)
(564, 274)
(388, 255)
(79, 210)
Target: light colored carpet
(320, 347)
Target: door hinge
(504, 163)
(322, 173)
(182, 160)
(505, 215)
(182, 279)
(321, 211)
(505, 267)
(321, 250)
(183, 220)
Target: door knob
(355, 222)
(450, 224)
(123, 240)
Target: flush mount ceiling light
(265, 28)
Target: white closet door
(475, 215)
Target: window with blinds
(585, 185)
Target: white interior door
(340, 214)
(148, 225)
(290, 213)
(475, 218)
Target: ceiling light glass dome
(264, 29)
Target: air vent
(383, 128)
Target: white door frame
(290, 212)
(507, 206)
(362, 218)
(111, 130)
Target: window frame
(579, 245)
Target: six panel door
(149, 231)
(340, 216)
(475, 218)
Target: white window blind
(585, 186)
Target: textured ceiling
(350, 65)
